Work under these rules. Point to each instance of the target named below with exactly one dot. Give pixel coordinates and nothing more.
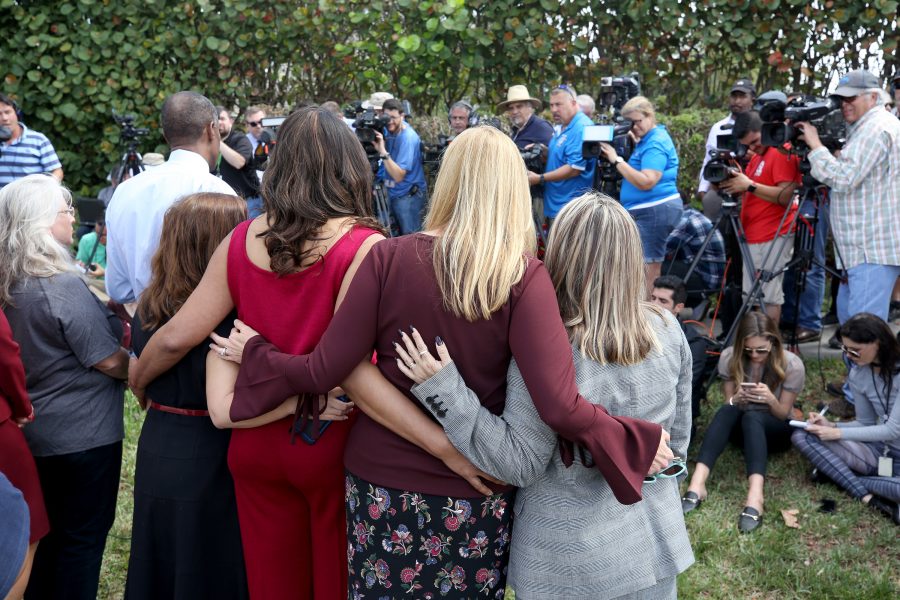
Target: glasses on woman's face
(850, 351)
(675, 468)
(68, 211)
(752, 351)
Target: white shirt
(711, 140)
(134, 218)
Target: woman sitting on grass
(863, 456)
(760, 383)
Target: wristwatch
(541, 179)
(751, 188)
(385, 156)
(619, 160)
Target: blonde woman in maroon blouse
(413, 524)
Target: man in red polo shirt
(768, 187)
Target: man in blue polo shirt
(26, 152)
(401, 168)
(568, 174)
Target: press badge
(885, 466)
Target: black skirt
(185, 540)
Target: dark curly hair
(865, 328)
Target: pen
(823, 411)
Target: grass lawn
(852, 553)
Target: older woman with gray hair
(74, 372)
(571, 538)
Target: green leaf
(68, 109)
(212, 43)
(409, 43)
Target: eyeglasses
(758, 350)
(675, 468)
(69, 211)
(254, 123)
(850, 351)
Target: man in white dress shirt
(135, 214)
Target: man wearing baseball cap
(740, 100)
(865, 195)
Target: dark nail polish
(439, 341)
(412, 328)
(400, 331)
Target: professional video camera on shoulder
(365, 125)
(267, 140)
(616, 91)
(779, 119)
(724, 159)
(613, 129)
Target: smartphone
(748, 385)
(308, 433)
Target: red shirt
(759, 217)
(395, 287)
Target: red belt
(187, 412)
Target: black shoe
(817, 476)
(888, 508)
(830, 319)
(689, 502)
(749, 520)
(834, 342)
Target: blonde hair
(597, 266)
(28, 209)
(758, 324)
(640, 104)
(482, 207)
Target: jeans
(756, 431)
(407, 210)
(80, 492)
(810, 315)
(654, 225)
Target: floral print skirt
(405, 544)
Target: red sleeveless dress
(290, 496)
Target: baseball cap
(744, 85)
(377, 99)
(855, 83)
(15, 525)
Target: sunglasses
(254, 123)
(850, 351)
(757, 350)
(675, 468)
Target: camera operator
(740, 100)
(460, 117)
(568, 175)
(23, 151)
(401, 168)
(649, 182)
(768, 189)
(865, 195)
(236, 165)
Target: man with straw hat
(527, 129)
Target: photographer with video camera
(865, 194)
(649, 182)
(401, 169)
(568, 174)
(768, 188)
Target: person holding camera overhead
(767, 187)
(649, 182)
(401, 168)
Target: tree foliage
(71, 62)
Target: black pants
(80, 493)
(757, 432)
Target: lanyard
(882, 403)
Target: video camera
(779, 118)
(614, 134)
(432, 153)
(267, 140)
(533, 157)
(616, 91)
(723, 159)
(129, 133)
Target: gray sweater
(571, 538)
(877, 416)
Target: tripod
(804, 252)
(131, 163)
(382, 207)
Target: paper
(800, 424)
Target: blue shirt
(31, 153)
(405, 150)
(655, 151)
(565, 149)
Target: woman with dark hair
(75, 368)
(284, 272)
(185, 541)
(863, 456)
(414, 525)
(760, 382)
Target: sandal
(689, 502)
(749, 520)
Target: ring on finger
(423, 352)
(223, 352)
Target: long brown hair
(192, 230)
(317, 171)
(758, 324)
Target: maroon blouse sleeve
(622, 448)
(267, 376)
(12, 374)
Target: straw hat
(519, 93)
